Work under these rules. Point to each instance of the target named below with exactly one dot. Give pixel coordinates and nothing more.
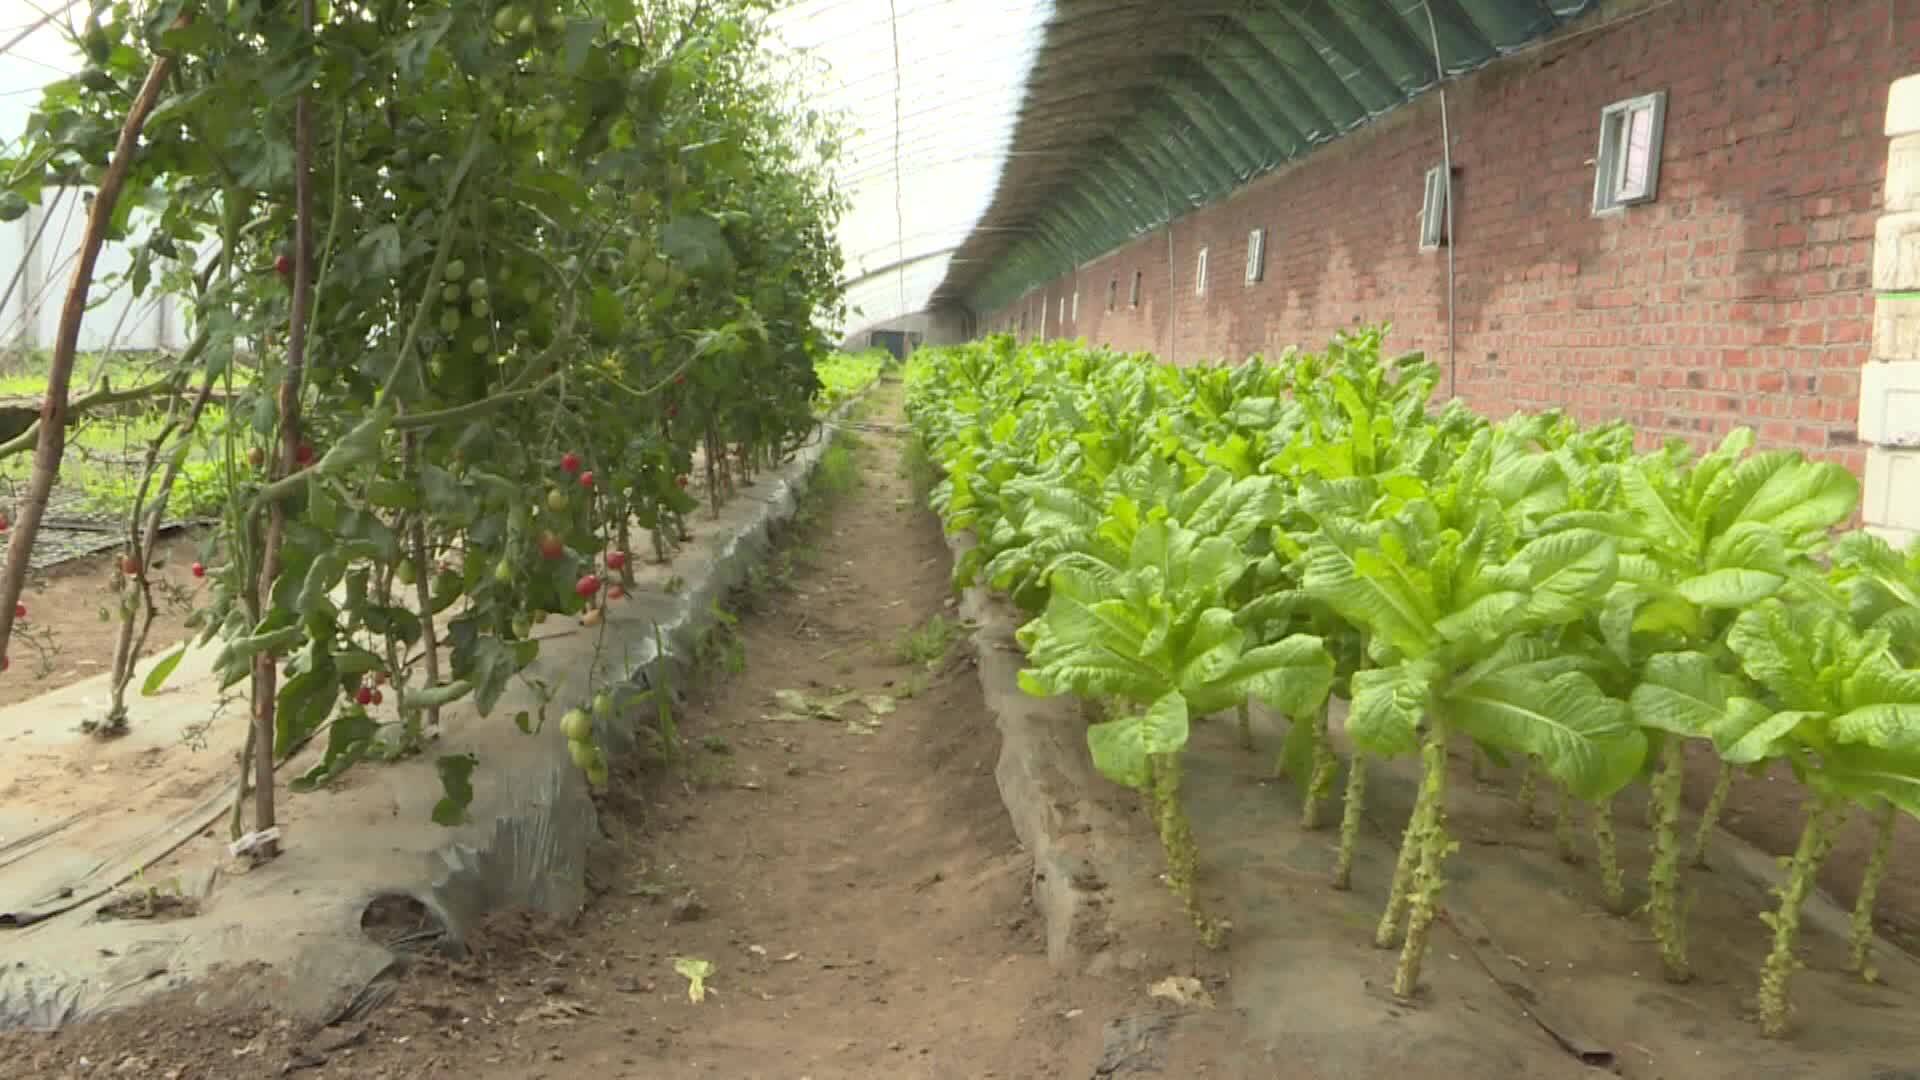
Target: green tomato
(577, 726)
(405, 572)
(456, 269)
(480, 308)
(503, 572)
(597, 770)
(603, 704)
(527, 25)
(522, 627)
(450, 321)
(506, 19)
(450, 293)
(556, 22)
(584, 754)
(477, 288)
(557, 501)
(481, 344)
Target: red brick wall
(1740, 296)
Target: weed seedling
(928, 644)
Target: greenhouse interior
(929, 539)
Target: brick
(1896, 253)
(1891, 495)
(1903, 174)
(1903, 107)
(1890, 404)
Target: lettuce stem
(1245, 715)
(1388, 932)
(1563, 830)
(1176, 838)
(1613, 885)
(1710, 816)
(1663, 879)
(1326, 767)
(1815, 840)
(1429, 878)
(1350, 816)
(1860, 941)
(1528, 784)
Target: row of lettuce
(1184, 541)
(844, 376)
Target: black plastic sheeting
(1242, 89)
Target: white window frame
(1256, 256)
(1433, 210)
(1076, 305)
(1200, 273)
(1133, 296)
(1613, 192)
(1060, 317)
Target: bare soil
(853, 882)
(70, 629)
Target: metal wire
(1446, 168)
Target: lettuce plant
(1701, 542)
(1845, 714)
(1882, 590)
(1455, 618)
(1153, 636)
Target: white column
(1890, 385)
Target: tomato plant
(502, 236)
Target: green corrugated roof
(1235, 90)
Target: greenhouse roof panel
(930, 92)
(1136, 112)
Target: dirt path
(853, 883)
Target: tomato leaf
(456, 781)
(349, 738)
(157, 677)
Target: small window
(1433, 210)
(1256, 256)
(1133, 299)
(1627, 170)
(1113, 294)
(1200, 274)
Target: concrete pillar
(1890, 385)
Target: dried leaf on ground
(695, 971)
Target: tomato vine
(480, 283)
